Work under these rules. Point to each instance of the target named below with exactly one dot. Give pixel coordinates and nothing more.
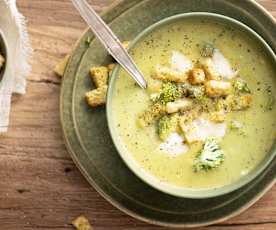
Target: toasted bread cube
(167, 74)
(110, 68)
(61, 66)
(99, 76)
(191, 137)
(96, 97)
(178, 105)
(82, 223)
(197, 76)
(218, 117)
(188, 116)
(245, 101)
(189, 131)
(125, 44)
(238, 103)
(187, 126)
(218, 88)
(152, 114)
(209, 68)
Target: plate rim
(99, 190)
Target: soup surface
(245, 136)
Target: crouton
(81, 223)
(99, 76)
(61, 66)
(218, 88)
(189, 131)
(96, 97)
(197, 76)
(167, 74)
(238, 103)
(200, 129)
(110, 68)
(152, 114)
(125, 44)
(187, 126)
(178, 105)
(245, 101)
(188, 116)
(218, 117)
(210, 70)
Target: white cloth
(13, 26)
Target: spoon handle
(109, 40)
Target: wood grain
(40, 188)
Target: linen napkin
(13, 26)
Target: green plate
(89, 142)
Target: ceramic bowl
(131, 162)
(3, 51)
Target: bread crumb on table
(60, 67)
(82, 223)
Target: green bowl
(131, 162)
(4, 53)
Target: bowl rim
(135, 167)
(3, 48)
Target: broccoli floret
(169, 93)
(241, 86)
(207, 50)
(192, 91)
(166, 126)
(210, 157)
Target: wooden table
(40, 187)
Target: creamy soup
(244, 135)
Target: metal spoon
(109, 40)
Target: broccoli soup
(207, 117)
